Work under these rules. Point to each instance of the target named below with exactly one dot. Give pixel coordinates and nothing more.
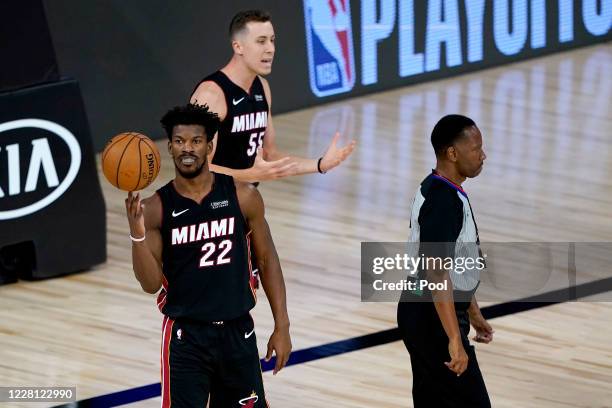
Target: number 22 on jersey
(210, 248)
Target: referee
(435, 324)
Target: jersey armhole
(220, 86)
(232, 186)
(161, 208)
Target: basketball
(130, 161)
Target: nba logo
(330, 46)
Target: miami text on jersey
(204, 230)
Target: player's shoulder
(248, 194)
(266, 86)
(245, 188)
(206, 90)
(211, 94)
(153, 210)
(153, 199)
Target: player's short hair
(447, 131)
(191, 114)
(242, 18)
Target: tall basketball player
(241, 97)
(193, 239)
(435, 324)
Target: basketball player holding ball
(242, 98)
(193, 239)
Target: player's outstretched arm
(261, 170)
(333, 157)
(209, 93)
(252, 207)
(145, 220)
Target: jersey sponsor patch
(219, 204)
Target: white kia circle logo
(41, 160)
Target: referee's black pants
(433, 384)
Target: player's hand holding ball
(134, 209)
(130, 162)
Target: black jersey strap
(223, 82)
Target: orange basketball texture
(130, 161)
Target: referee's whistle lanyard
(452, 184)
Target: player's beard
(191, 174)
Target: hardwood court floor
(546, 126)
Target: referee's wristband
(319, 166)
(134, 239)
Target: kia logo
(40, 161)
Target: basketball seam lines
(119, 161)
(118, 140)
(157, 157)
(139, 165)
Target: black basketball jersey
(205, 255)
(242, 131)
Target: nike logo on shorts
(249, 334)
(176, 214)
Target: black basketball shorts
(217, 360)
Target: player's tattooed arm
(144, 218)
(252, 207)
(210, 94)
(333, 157)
